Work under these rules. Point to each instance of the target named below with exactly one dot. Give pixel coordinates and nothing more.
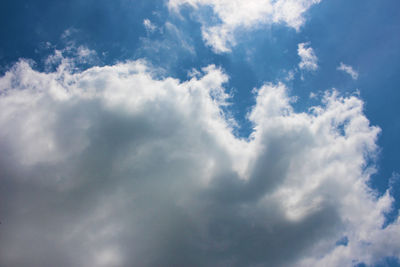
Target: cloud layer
(233, 15)
(115, 166)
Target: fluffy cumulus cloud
(117, 166)
(309, 60)
(233, 15)
(349, 70)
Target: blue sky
(296, 56)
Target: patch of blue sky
(112, 28)
(387, 262)
(344, 241)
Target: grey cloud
(112, 167)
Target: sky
(199, 133)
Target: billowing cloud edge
(112, 165)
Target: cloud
(169, 46)
(308, 58)
(114, 166)
(150, 27)
(71, 56)
(233, 15)
(349, 70)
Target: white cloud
(349, 70)
(238, 14)
(112, 166)
(150, 27)
(71, 55)
(308, 58)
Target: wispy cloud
(150, 27)
(349, 70)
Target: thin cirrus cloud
(308, 59)
(113, 166)
(349, 70)
(234, 15)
